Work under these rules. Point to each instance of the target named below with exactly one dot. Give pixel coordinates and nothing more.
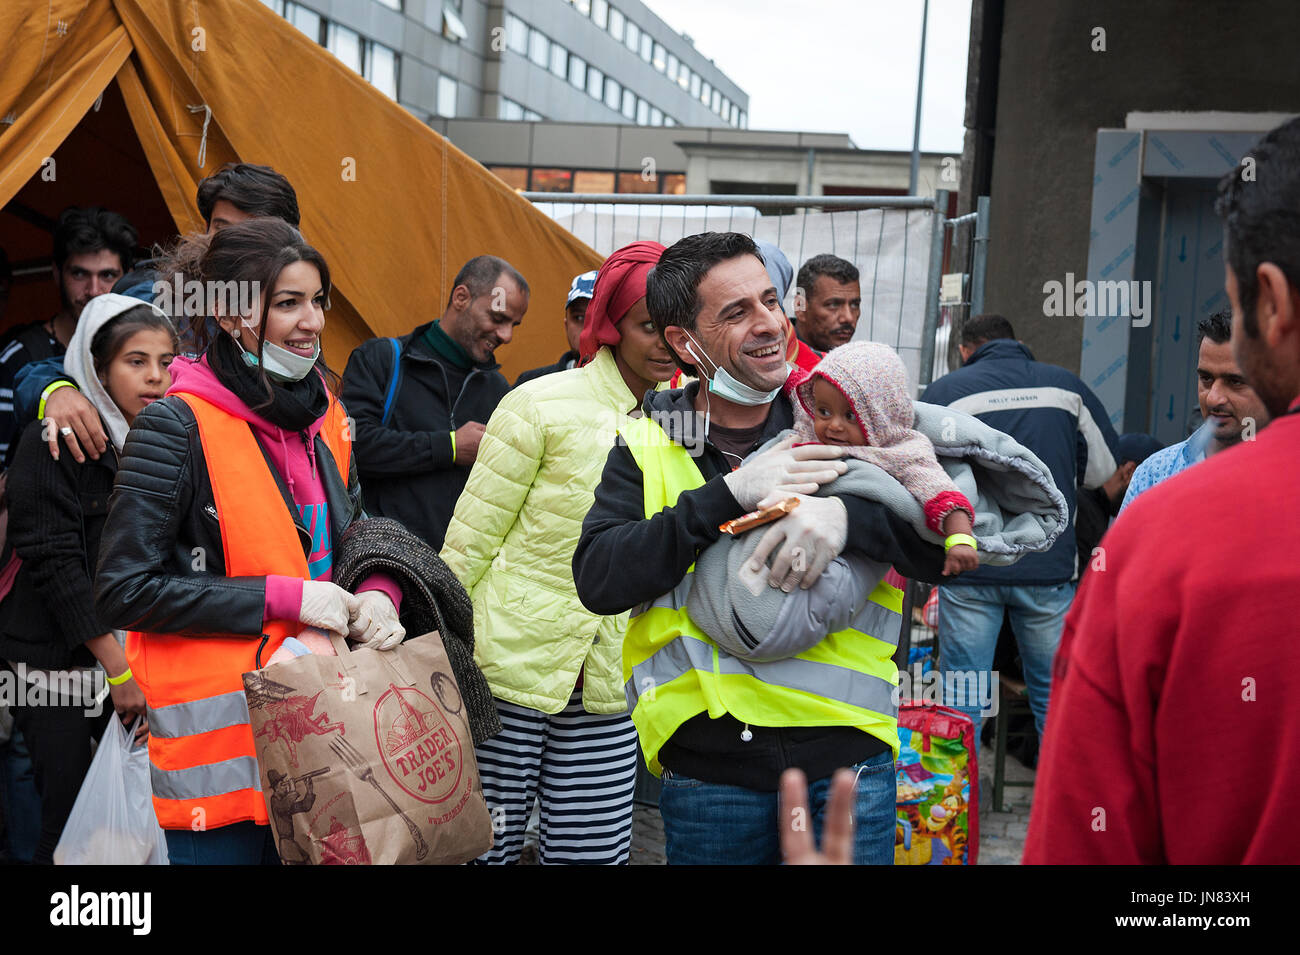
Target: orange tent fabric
(393, 206)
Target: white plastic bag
(113, 822)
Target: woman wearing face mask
(230, 493)
(49, 631)
(554, 667)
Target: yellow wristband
(952, 540)
(51, 389)
(453, 447)
(121, 677)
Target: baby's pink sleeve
(943, 504)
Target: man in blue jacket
(1055, 415)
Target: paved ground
(1002, 834)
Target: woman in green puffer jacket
(554, 667)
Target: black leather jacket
(161, 564)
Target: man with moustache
(421, 402)
(1176, 676)
(1230, 407)
(827, 302)
(92, 250)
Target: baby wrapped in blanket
(927, 463)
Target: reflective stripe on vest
(673, 671)
(202, 760)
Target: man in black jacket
(421, 402)
(731, 332)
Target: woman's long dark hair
(255, 250)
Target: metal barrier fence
(897, 243)
(961, 292)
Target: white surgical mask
(723, 384)
(279, 363)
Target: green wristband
(453, 447)
(49, 390)
(952, 540)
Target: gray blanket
(1018, 511)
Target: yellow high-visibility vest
(672, 671)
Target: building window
(308, 21)
(660, 61)
(629, 104)
(669, 121)
(539, 48)
(381, 69)
(744, 120)
(595, 83)
(674, 183)
(656, 116)
(577, 71)
(346, 45)
(695, 85)
(684, 77)
(600, 182)
(516, 35)
(647, 44)
(642, 113)
(632, 38)
(612, 92)
(635, 182)
(392, 4)
(446, 96)
(516, 177)
(582, 6)
(559, 60)
(600, 13)
(275, 5)
(509, 109)
(735, 115)
(531, 116)
(705, 93)
(715, 103)
(552, 180)
(726, 108)
(616, 23)
(452, 27)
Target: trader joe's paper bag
(366, 758)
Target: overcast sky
(842, 66)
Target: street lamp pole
(916, 129)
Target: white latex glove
(326, 605)
(782, 470)
(810, 537)
(375, 621)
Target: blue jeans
(715, 824)
(243, 843)
(970, 618)
(21, 802)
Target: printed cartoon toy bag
(938, 811)
(366, 758)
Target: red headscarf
(620, 284)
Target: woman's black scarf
(290, 405)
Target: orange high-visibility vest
(202, 762)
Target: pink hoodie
(294, 456)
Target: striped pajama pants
(583, 766)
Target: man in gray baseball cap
(581, 290)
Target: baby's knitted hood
(885, 412)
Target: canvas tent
(129, 103)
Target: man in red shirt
(1176, 699)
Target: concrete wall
(1054, 93)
